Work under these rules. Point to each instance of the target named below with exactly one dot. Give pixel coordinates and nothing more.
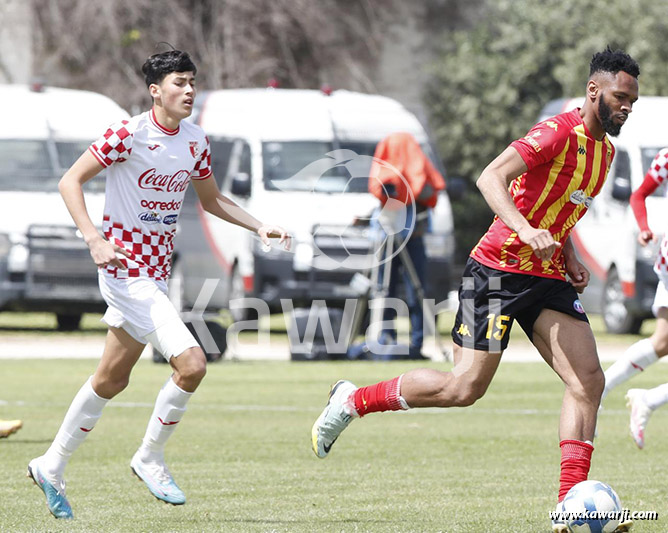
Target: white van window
(25, 166)
(220, 158)
(68, 152)
(648, 155)
(284, 162)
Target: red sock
(383, 396)
(575, 463)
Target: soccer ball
(594, 508)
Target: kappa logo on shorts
(577, 305)
(464, 330)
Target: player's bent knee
(108, 387)
(191, 365)
(588, 386)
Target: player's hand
(645, 237)
(105, 254)
(541, 241)
(578, 275)
(267, 232)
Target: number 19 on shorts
(497, 326)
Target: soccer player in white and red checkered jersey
(646, 352)
(150, 160)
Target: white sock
(656, 397)
(169, 408)
(81, 417)
(636, 359)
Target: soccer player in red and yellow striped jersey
(566, 168)
(525, 269)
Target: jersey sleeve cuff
(97, 156)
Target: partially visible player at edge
(539, 187)
(646, 352)
(151, 159)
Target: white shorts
(140, 306)
(661, 296)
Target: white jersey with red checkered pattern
(658, 171)
(148, 171)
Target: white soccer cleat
(7, 427)
(558, 525)
(640, 413)
(333, 420)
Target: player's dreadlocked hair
(159, 65)
(613, 61)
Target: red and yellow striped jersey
(566, 170)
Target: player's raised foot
(640, 413)
(53, 488)
(159, 481)
(333, 420)
(7, 427)
(558, 525)
(624, 527)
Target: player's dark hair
(159, 65)
(613, 61)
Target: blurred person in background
(418, 182)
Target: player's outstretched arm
(639, 207)
(493, 184)
(216, 203)
(71, 189)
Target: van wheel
(236, 291)
(176, 288)
(616, 316)
(68, 322)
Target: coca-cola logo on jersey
(178, 182)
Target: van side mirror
(241, 185)
(621, 189)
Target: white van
(622, 278)
(44, 264)
(269, 147)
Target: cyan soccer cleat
(54, 490)
(159, 481)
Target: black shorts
(491, 300)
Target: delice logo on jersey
(178, 182)
(150, 217)
(169, 220)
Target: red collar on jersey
(164, 130)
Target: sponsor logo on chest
(579, 197)
(151, 180)
(150, 217)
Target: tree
(101, 45)
(491, 80)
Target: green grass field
(242, 454)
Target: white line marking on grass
(314, 409)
